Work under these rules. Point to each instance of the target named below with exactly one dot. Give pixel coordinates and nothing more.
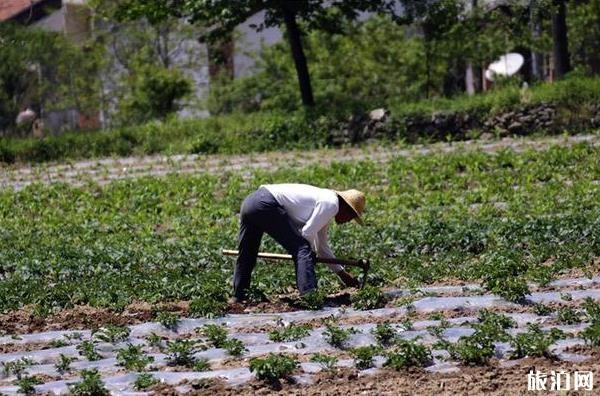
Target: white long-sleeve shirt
(311, 208)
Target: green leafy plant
(27, 384)
(336, 336)
(181, 352)
(208, 305)
(133, 358)
(313, 300)
(64, 363)
(168, 319)
(363, 356)
(534, 342)
(201, 364)
(145, 381)
(369, 297)
(384, 333)
(541, 309)
(327, 362)
(568, 315)
(216, 334)
(274, 367)
(234, 347)
(111, 333)
(290, 333)
(407, 353)
(154, 340)
(591, 334)
(479, 347)
(88, 350)
(90, 385)
(16, 367)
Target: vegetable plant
(327, 362)
(133, 358)
(290, 333)
(145, 381)
(384, 333)
(407, 353)
(369, 297)
(273, 367)
(363, 356)
(90, 384)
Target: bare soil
(490, 380)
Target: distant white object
(26, 116)
(507, 65)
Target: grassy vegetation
(266, 131)
(474, 216)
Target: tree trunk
(293, 32)
(537, 68)
(559, 35)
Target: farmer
(297, 217)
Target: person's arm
(323, 249)
(323, 212)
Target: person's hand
(348, 279)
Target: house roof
(24, 10)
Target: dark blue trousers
(261, 213)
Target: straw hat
(356, 200)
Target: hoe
(363, 264)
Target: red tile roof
(11, 8)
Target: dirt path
(104, 171)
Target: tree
(222, 16)
(562, 65)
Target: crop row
(158, 240)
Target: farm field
(485, 262)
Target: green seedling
(290, 333)
(211, 303)
(336, 336)
(145, 381)
(58, 343)
(534, 342)
(16, 367)
(88, 350)
(363, 356)
(541, 309)
(234, 347)
(27, 384)
(313, 300)
(384, 333)
(154, 340)
(216, 334)
(90, 384)
(64, 363)
(566, 296)
(181, 352)
(327, 362)
(169, 320)
(592, 309)
(407, 353)
(591, 334)
(568, 315)
(133, 358)
(201, 364)
(369, 297)
(112, 334)
(479, 347)
(273, 368)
